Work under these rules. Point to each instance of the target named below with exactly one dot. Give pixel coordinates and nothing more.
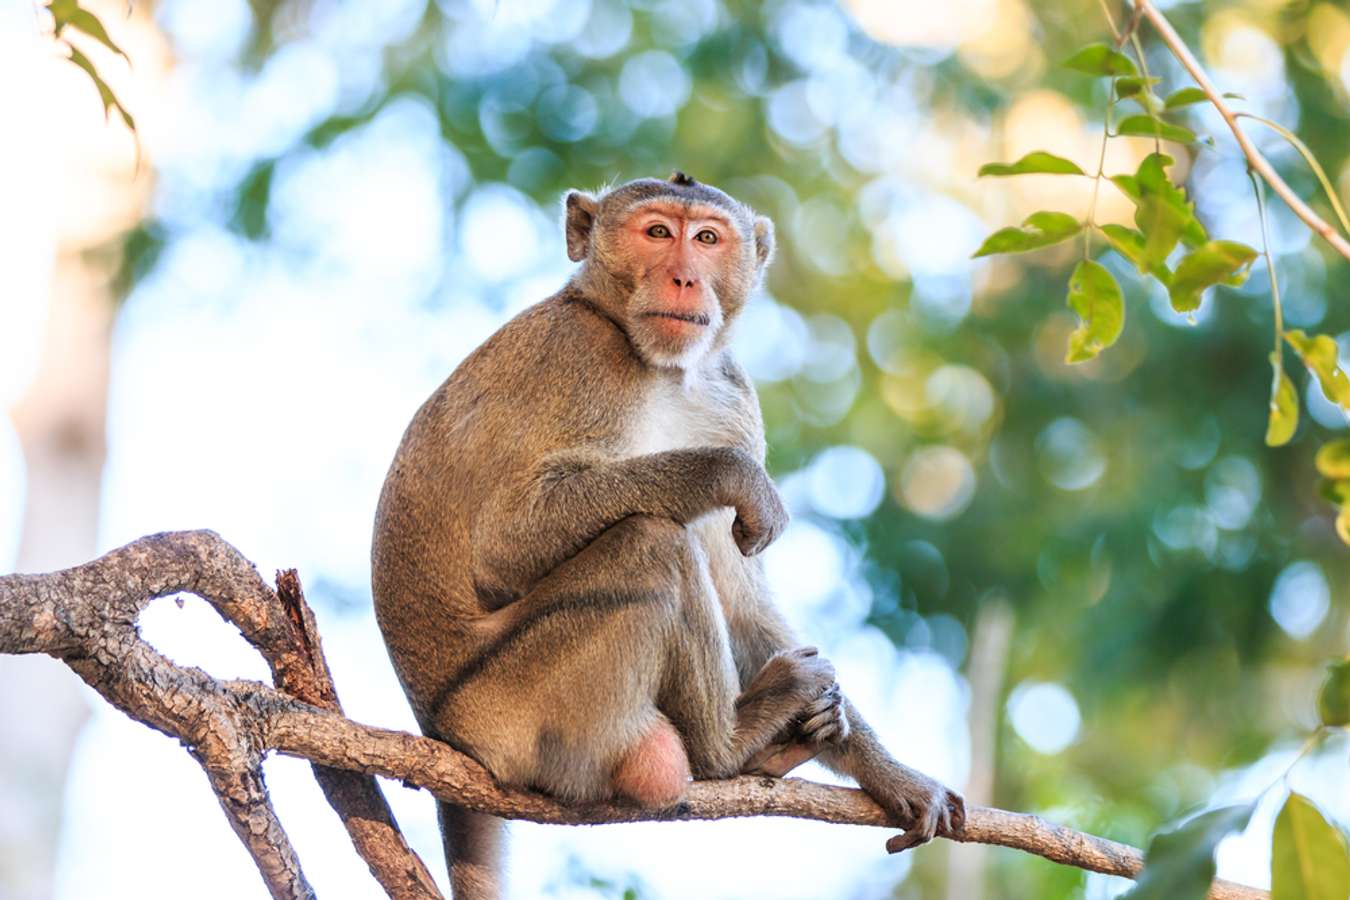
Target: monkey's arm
(528, 527)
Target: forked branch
(86, 617)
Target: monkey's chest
(673, 417)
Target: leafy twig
(1258, 162)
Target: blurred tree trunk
(967, 863)
(60, 422)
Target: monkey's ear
(580, 210)
(763, 240)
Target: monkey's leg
(575, 684)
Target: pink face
(678, 253)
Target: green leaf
(1034, 162)
(1179, 864)
(68, 12)
(1162, 213)
(1140, 90)
(1095, 296)
(1321, 355)
(1308, 855)
(1336, 491)
(1217, 262)
(1099, 59)
(1129, 86)
(1343, 525)
(1185, 97)
(1333, 700)
(1130, 244)
(1333, 459)
(105, 93)
(1040, 229)
(1147, 126)
(1283, 407)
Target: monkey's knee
(657, 549)
(655, 771)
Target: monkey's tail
(473, 851)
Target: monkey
(565, 560)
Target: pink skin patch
(680, 251)
(655, 771)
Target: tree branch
(86, 616)
(1258, 162)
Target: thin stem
(1101, 166)
(1254, 158)
(1308, 157)
(1147, 92)
(1278, 355)
(1111, 22)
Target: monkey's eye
(706, 236)
(658, 231)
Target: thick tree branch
(86, 616)
(1254, 157)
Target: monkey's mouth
(691, 318)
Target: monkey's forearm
(525, 531)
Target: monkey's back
(554, 377)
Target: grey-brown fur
(548, 591)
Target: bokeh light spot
(1069, 454)
(1045, 715)
(938, 482)
(1300, 598)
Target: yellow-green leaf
(1217, 262)
(1333, 459)
(1130, 244)
(1040, 229)
(69, 12)
(1130, 86)
(1321, 355)
(1185, 97)
(1037, 161)
(105, 93)
(1095, 296)
(1343, 525)
(1333, 700)
(1099, 59)
(1335, 491)
(1162, 213)
(1147, 126)
(1283, 407)
(1308, 857)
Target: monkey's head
(671, 261)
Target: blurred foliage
(1126, 506)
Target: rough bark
(86, 616)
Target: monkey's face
(681, 259)
(672, 261)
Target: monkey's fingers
(910, 839)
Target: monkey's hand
(760, 514)
(911, 796)
(821, 721)
(824, 721)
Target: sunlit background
(1099, 572)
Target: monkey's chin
(671, 343)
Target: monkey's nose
(685, 282)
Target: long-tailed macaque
(565, 564)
